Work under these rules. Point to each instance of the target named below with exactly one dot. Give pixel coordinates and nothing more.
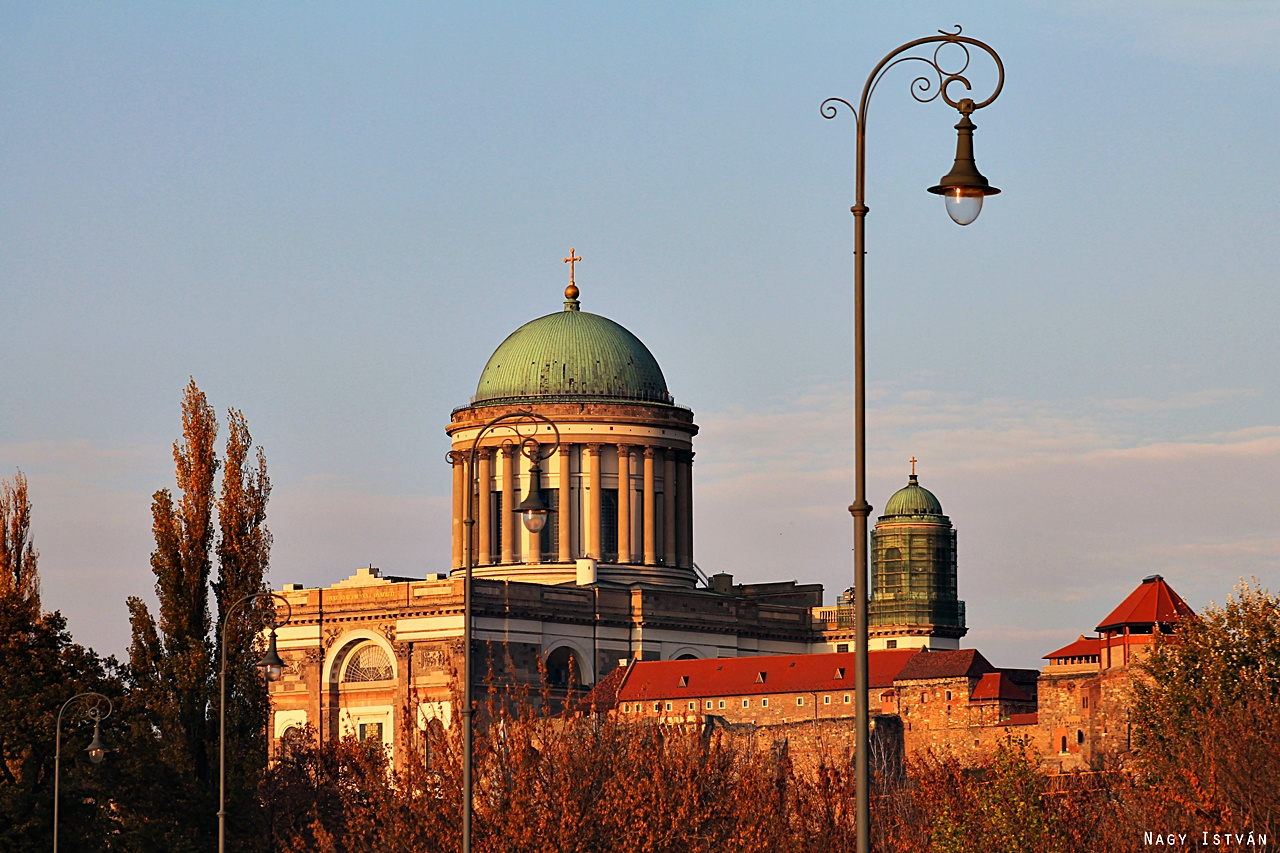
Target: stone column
(566, 516)
(459, 507)
(669, 507)
(484, 554)
(624, 503)
(650, 511)
(593, 502)
(687, 522)
(508, 501)
(682, 509)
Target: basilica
(573, 411)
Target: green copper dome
(572, 354)
(913, 499)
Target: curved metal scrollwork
(931, 84)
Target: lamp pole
(96, 750)
(963, 190)
(533, 510)
(272, 666)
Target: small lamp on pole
(96, 750)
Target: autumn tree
(174, 662)
(40, 668)
(1207, 716)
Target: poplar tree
(174, 662)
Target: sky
(330, 216)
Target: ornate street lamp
(271, 665)
(963, 189)
(533, 511)
(96, 750)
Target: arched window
(562, 667)
(369, 662)
(1079, 737)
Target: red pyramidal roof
(1153, 602)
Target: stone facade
(578, 634)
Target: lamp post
(96, 750)
(963, 189)
(533, 512)
(272, 666)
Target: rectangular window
(657, 706)
(847, 699)
(764, 703)
(826, 700)
(609, 524)
(708, 704)
(693, 706)
(799, 700)
(668, 706)
(496, 520)
(746, 703)
(720, 704)
(842, 648)
(549, 538)
(948, 695)
(370, 731)
(891, 644)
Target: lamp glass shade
(963, 203)
(534, 509)
(534, 519)
(96, 750)
(271, 663)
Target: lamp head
(271, 663)
(96, 750)
(964, 187)
(534, 509)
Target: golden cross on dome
(571, 260)
(913, 466)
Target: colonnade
(644, 473)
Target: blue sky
(331, 216)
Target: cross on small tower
(571, 260)
(913, 466)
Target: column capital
(649, 451)
(510, 450)
(624, 450)
(593, 447)
(485, 453)
(455, 457)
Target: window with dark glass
(609, 524)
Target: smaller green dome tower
(913, 574)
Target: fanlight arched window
(370, 662)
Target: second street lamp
(533, 511)
(963, 189)
(271, 666)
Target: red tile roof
(1083, 647)
(1154, 601)
(604, 696)
(1024, 719)
(955, 663)
(998, 685)
(676, 679)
